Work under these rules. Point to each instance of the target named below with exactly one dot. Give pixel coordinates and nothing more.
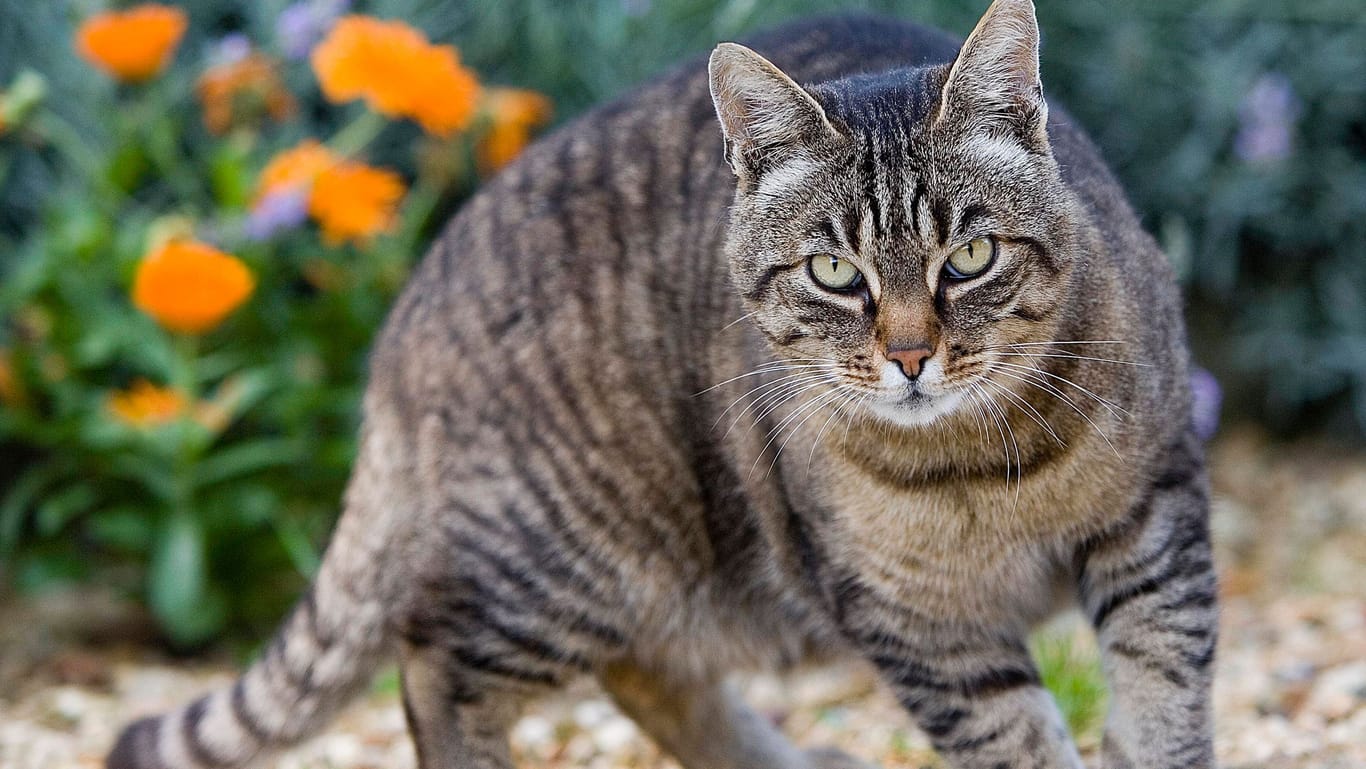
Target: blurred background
(185, 453)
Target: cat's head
(897, 230)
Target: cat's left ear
(994, 83)
(765, 116)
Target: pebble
(1290, 690)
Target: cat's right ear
(765, 116)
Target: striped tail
(309, 671)
(323, 654)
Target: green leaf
(59, 509)
(178, 589)
(18, 500)
(245, 458)
(125, 528)
(229, 171)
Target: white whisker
(1023, 404)
(787, 378)
(1111, 405)
(1070, 356)
(807, 408)
(1069, 402)
(768, 368)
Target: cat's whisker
(1019, 464)
(738, 320)
(1070, 356)
(996, 419)
(1054, 344)
(1110, 405)
(768, 368)
(828, 399)
(1027, 408)
(777, 384)
(1075, 408)
(767, 404)
(761, 407)
(849, 421)
(850, 394)
(977, 412)
(776, 431)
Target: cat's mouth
(911, 406)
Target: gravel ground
(1290, 694)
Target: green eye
(834, 273)
(971, 259)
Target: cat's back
(610, 228)
(599, 250)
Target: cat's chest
(953, 549)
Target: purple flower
(230, 49)
(1266, 120)
(301, 25)
(1206, 398)
(277, 212)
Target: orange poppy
(242, 92)
(513, 114)
(190, 287)
(397, 72)
(132, 45)
(146, 405)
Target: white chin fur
(917, 416)
(897, 412)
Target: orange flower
(190, 287)
(132, 45)
(241, 92)
(349, 200)
(295, 168)
(11, 390)
(513, 114)
(398, 73)
(353, 201)
(146, 405)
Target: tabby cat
(896, 374)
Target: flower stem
(186, 380)
(356, 135)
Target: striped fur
(615, 429)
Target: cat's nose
(910, 359)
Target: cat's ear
(765, 116)
(994, 82)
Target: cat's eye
(971, 259)
(834, 273)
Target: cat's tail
(324, 653)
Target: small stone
(590, 713)
(616, 734)
(533, 731)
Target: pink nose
(910, 359)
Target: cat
(886, 367)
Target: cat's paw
(834, 758)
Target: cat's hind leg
(705, 725)
(455, 724)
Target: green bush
(1238, 126)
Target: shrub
(182, 353)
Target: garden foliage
(205, 212)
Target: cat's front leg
(1149, 588)
(979, 698)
